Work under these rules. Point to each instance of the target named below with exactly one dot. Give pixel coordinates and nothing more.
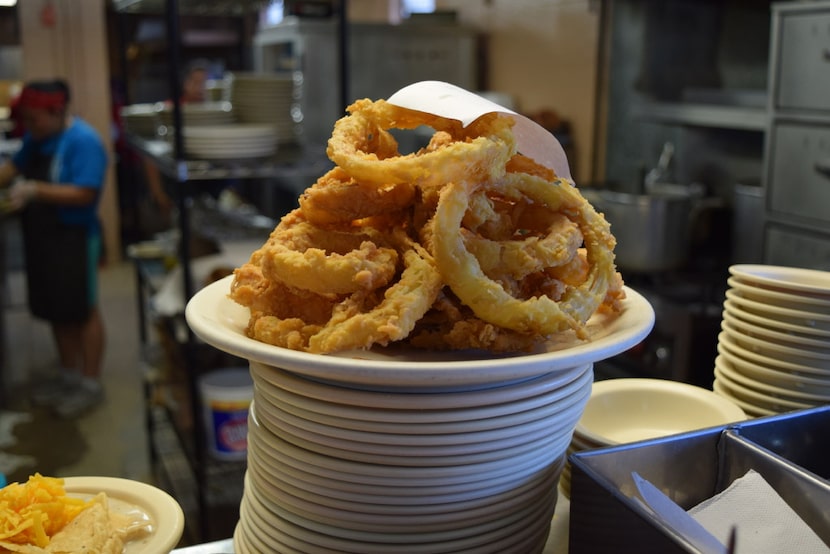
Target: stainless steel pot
(652, 230)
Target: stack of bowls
(395, 450)
(233, 141)
(774, 347)
(199, 114)
(628, 410)
(267, 98)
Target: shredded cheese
(32, 512)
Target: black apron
(56, 255)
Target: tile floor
(116, 433)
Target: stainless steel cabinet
(797, 161)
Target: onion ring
(480, 151)
(327, 267)
(336, 198)
(488, 298)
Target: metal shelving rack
(171, 160)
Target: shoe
(88, 395)
(50, 390)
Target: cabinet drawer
(796, 248)
(798, 186)
(804, 62)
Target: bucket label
(230, 428)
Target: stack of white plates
(774, 347)
(377, 471)
(232, 141)
(266, 98)
(627, 410)
(199, 114)
(399, 450)
(140, 119)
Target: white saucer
(792, 279)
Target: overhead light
(8, 3)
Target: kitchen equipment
(653, 229)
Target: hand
(21, 193)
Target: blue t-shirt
(78, 158)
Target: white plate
(801, 318)
(759, 399)
(732, 346)
(780, 298)
(777, 352)
(773, 323)
(722, 367)
(773, 334)
(794, 279)
(749, 408)
(809, 383)
(126, 496)
(221, 322)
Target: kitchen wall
(68, 39)
(544, 53)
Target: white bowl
(762, 373)
(724, 369)
(800, 318)
(771, 322)
(774, 335)
(801, 356)
(783, 299)
(628, 410)
(733, 347)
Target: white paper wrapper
(446, 100)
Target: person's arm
(58, 193)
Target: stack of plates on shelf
(627, 410)
(358, 470)
(140, 119)
(774, 347)
(266, 98)
(230, 142)
(200, 114)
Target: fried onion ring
(353, 146)
(336, 199)
(328, 267)
(487, 298)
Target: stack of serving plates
(381, 471)
(199, 114)
(408, 450)
(140, 119)
(232, 141)
(774, 347)
(266, 98)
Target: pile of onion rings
(464, 244)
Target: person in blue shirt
(55, 182)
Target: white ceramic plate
(800, 318)
(221, 322)
(723, 368)
(631, 409)
(774, 335)
(749, 408)
(732, 346)
(771, 322)
(780, 298)
(794, 279)
(810, 383)
(127, 496)
(777, 352)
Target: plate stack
(199, 114)
(230, 142)
(362, 470)
(140, 119)
(628, 410)
(774, 347)
(266, 98)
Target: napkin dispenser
(788, 451)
